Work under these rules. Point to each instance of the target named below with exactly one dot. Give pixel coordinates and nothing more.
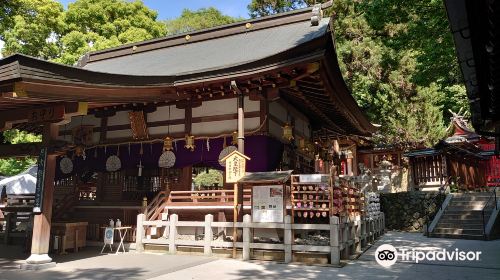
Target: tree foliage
(398, 60)
(43, 29)
(199, 19)
(208, 178)
(13, 166)
(258, 8)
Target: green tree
(13, 166)
(43, 29)
(208, 178)
(31, 27)
(99, 24)
(259, 8)
(199, 19)
(399, 61)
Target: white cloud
(1, 47)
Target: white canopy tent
(22, 183)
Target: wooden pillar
(41, 224)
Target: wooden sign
(40, 181)
(138, 125)
(235, 166)
(48, 114)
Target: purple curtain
(265, 153)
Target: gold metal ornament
(189, 142)
(167, 144)
(234, 140)
(79, 151)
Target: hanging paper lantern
(167, 144)
(288, 132)
(167, 159)
(302, 144)
(113, 163)
(226, 151)
(336, 147)
(310, 147)
(66, 165)
(234, 140)
(189, 142)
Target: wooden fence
(346, 237)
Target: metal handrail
(442, 190)
(494, 196)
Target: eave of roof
(476, 33)
(35, 78)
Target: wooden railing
(156, 206)
(17, 210)
(213, 198)
(344, 239)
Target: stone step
(458, 236)
(458, 231)
(483, 201)
(470, 213)
(464, 208)
(474, 225)
(464, 221)
(466, 203)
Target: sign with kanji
(40, 181)
(235, 166)
(47, 114)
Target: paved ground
(88, 264)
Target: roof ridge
(147, 45)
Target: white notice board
(108, 236)
(267, 204)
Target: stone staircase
(462, 218)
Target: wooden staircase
(155, 208)
(62, 207)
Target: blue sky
(168, 9)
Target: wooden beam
(85, 93)
(20, 150)
(188, 116)
(36, 114)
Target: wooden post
(287, 238)
(41, 224)
(334, 240)
(247, 219)
(345, 240)
(207, 250)
(358, 237)
(238, 190)
(235, 218)
(139, 246)
(8, 225)
(172, 248)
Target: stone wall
(406, 211)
